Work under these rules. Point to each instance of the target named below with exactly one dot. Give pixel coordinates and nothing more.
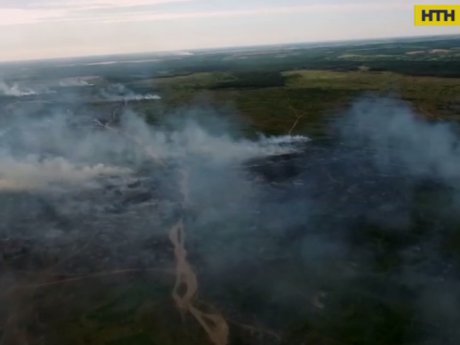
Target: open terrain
(290, 195)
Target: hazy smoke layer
(281, 229)
(78, 81)
(36, 152)
(14, 90)
(118, 93)
(398, 136)
(400, 143)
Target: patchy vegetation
(351, 240)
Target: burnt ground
(333, 250)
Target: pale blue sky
(31, 29)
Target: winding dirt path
(186, 286)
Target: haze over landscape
(209, 172)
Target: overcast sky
(31, 29)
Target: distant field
(276, 89)
(273, 103)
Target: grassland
(309, 96)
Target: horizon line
(217, 48)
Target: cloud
(280, 10)
(15, 16)
(149, 10)
(35, 11)
(30, 12)
(79, 4)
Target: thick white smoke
(321, 233)
(15, 90)
(78, 81)
(59, 149)
(32, 173)
(120, 93)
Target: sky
(35, 29)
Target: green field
(308, 95)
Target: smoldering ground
(351, 240)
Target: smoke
(59, 149)
(18, 89)
(196, 142)
(365, 221)
(78, 81)
(119, 92)
(15, 90)
(398, 137)
(425, 154)
(283, 229)
(89, 193)
(32, 173)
